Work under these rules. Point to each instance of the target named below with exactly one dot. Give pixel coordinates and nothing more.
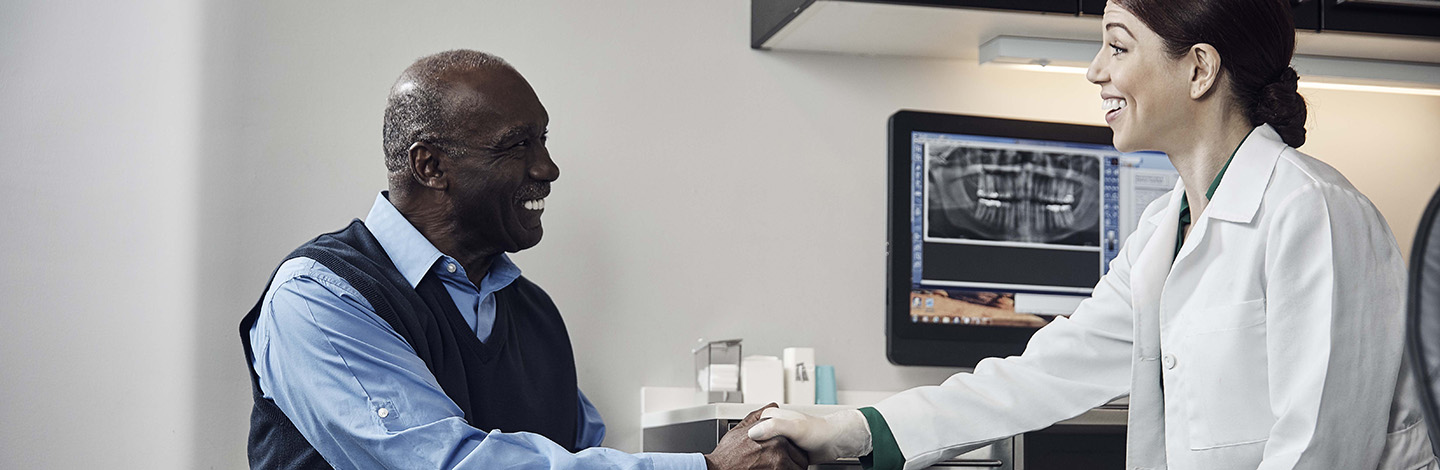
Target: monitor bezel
(908, 343)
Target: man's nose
(543, 168)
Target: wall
(99, 265)
(707, 190)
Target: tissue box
(762, 379)
(717, 370)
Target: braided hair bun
(1281, 106)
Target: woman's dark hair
(1255, 39)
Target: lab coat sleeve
(1069, 367)
(1335, 329)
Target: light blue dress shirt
(358, 393)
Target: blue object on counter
(825, 385)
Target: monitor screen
(1008, 224)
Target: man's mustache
(533, 191)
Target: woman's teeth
(534, 204)
(1112, 104)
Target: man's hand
(824, 438)
(738, 452)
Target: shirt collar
(502, 273)
(1214, 184)
(1243, 183)
(412, 254)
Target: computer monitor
(997, 226)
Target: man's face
(498, 166)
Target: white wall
(706, 190)
(99, 265)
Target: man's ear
(426, 168)
(1203, 62)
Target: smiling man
(410, 340)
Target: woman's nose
(1096, 73)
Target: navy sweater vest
(521, 379)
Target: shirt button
(450, 267)
(1168, 361)
(383, 412)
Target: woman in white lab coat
(1255, 316)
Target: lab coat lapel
(1147, 276)
(1146, 441)
(1236, 200)
(1241, 189)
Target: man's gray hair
(414, 111)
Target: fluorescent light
(1038, 54)
(1047, 68)
(1317, 72)
(1377, 76)
(1015, 50)
(1370, 88)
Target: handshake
(772, 438)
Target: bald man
(410, 340)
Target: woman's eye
(1114, 49)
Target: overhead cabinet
(1397, 17)
(774, 22)
(1307, 12)
(1047, 6)
(1390, 30)
(768, 17)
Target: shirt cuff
(884, 451)
(676, 461)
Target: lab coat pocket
(1227, 317)
(1223, 366)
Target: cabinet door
(1047, 6)
(1307, 12)
(768, 17)
(1403, 17)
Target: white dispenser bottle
(799, 376)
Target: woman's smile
(1112, 106)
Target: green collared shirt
(1209, 194)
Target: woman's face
(1144, 92)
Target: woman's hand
(825, 438)
(736, 451)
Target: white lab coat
(1278, 333)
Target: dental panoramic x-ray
(1012, 230)
(1012, 195)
